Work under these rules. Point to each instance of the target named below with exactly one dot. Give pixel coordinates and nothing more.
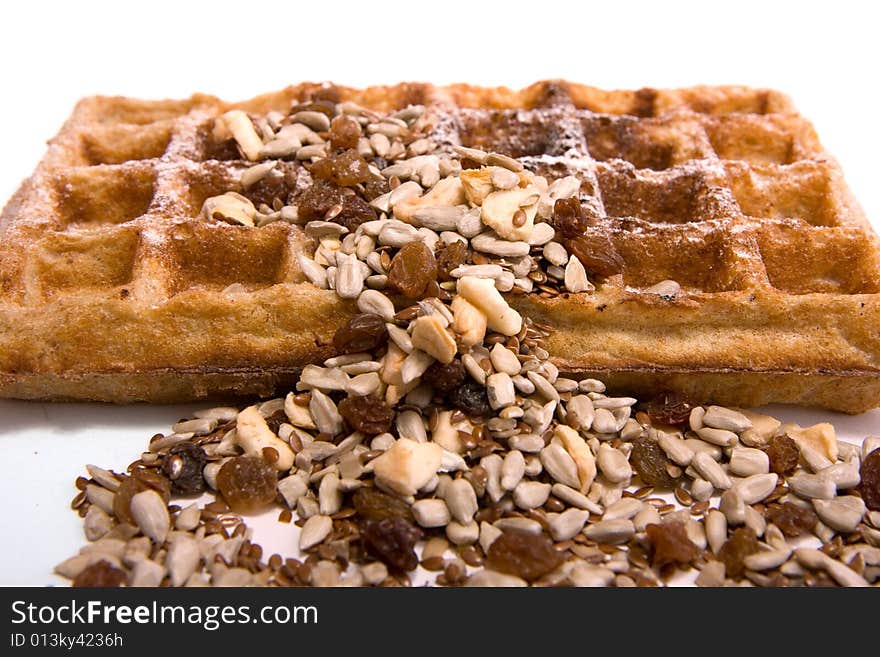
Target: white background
(824, 55)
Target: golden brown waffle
(113, 287)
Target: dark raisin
(412, 269)
(369, 415)
(568, 217)
(100, 574)
(393, 541)
(318, 199)
(651, 463)
(783, 454)
(471, 399)
(444, 378)
(671, 544)
(741, 544)
(450, 256)
(247, 483)
(792, 520)
(365, 332)
(372, 504)
(183, 466)
(523, 554)
(355, 211)
(344, 132)
(597, 254)
(346, 169)
(376, 187)
(870, 484)
(669, 408)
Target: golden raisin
(523, 554)
(741, 544)
(364, 332)
(247, 483)
(412, 269)
(344, 132)
(783, 453)
(671, 544)
(792, 520)
(450, 256)
(346, 169)
(100, 574)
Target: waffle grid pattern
(722, 189)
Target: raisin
(741, 544)
(183, 466)
(372, 504)
(444, 378)
(671, 544)
(344, 132)
(523, 554)
(783, 453)
(393, 541)
(792, 520)
(597, 254)
(369, 415)
(100, 574)
(346, 169)
(412, 269)
(321, 100)
(870, 484)
(669, 408)
(139, 481)
(247, 483)
(365, 332)
(651, 463)
(472, 399)
(568, 217)
(450, 256)
(355, 211)
(375, 188)
(317, 200)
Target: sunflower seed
(315, 530)
(733, 507)
(576, 277)
(499, 388)
(317, 121)
(559, 465)
(610, 532)
(488, 243)
(711, 471)
(461, 500)
(811, 486)
(817, 560)
(844, 475)
(716, 529)
(431, 513)
(530, 494)
(756, 488)
(842, 513)
(462, 534)
(439, 218)
(512, 469)
(719, 417)
(324, 412)
(151, 515)
(497, 159)
(676, 449)
(613, 464)
(720, 437)
(494, 579)
(625, 507)
(746, 461)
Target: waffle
(113, 286)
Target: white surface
(823, 55)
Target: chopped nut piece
(430, 335)
(408, 465)
(481, 293)
(237, 124)
(231, 207)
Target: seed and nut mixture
(441, 438)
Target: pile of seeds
(441, 435)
